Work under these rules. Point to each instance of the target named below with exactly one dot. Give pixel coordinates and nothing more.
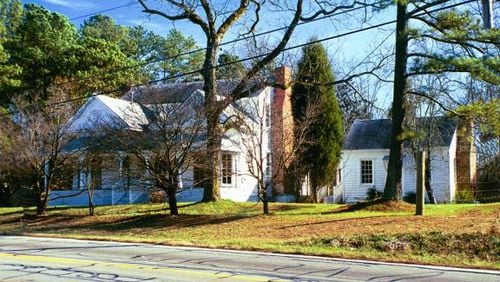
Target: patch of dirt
(379, 205)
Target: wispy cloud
(75, 4)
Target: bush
(410, 197)
(157, 197)
(373, 194)
(464, 196)
(305, 199)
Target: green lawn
(466, 235)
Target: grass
(463, 235)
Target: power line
(233, 62)
(253, 57)
(156, 60)
(131, 3)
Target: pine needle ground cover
(463, 235)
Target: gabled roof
(376, 134)
(104, 110)
(172, 92)
(131, 113)
(369, 134)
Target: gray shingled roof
(368, 134)
(172, 92)
(376, 134)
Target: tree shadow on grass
(10, 219)
(19, 213)
(290, 207)
(162, 221)
(155, 221)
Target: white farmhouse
(365, 158)
(130, 112)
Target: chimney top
(283, 76)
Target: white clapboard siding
(442, 173)
(351, 173)
(440, 181)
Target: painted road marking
(216, 275)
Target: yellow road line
(129, 266)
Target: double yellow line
(153, 270)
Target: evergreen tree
(320, 157)
(177, 43)
(41, 46)
(10, 15)
(105, 28)
(229, 68)
(447, 42)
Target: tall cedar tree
(321, 154)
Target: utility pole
(488, 18)
(420, 183)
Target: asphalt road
(43, 259)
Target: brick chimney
(282, 124)
(465, 155)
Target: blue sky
(345, 52)
(132, 14)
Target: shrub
(410, 197)
(373, 194)
(464, 196)
(157, 197)
(305, 199)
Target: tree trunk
(41, 201)
(40, 207)
(393, 189)
(212, 112)
(91, 209)
(172, 195)
(265, 204)
(263, 197)
(91, 202)
(212, 191)
(314, 193)
(428, 187)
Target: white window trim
(361, 172)
(233, 171)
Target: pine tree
(321, 155)
(459, 45)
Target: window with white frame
(268, 164)
(227, 168)
(366, 172)
(267, 114)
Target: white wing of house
(106, 111)
(365, 159)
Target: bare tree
(253, 120)
(42, 138)
(426, 129)
(169, 145)
(215, 20)
(15, 170)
